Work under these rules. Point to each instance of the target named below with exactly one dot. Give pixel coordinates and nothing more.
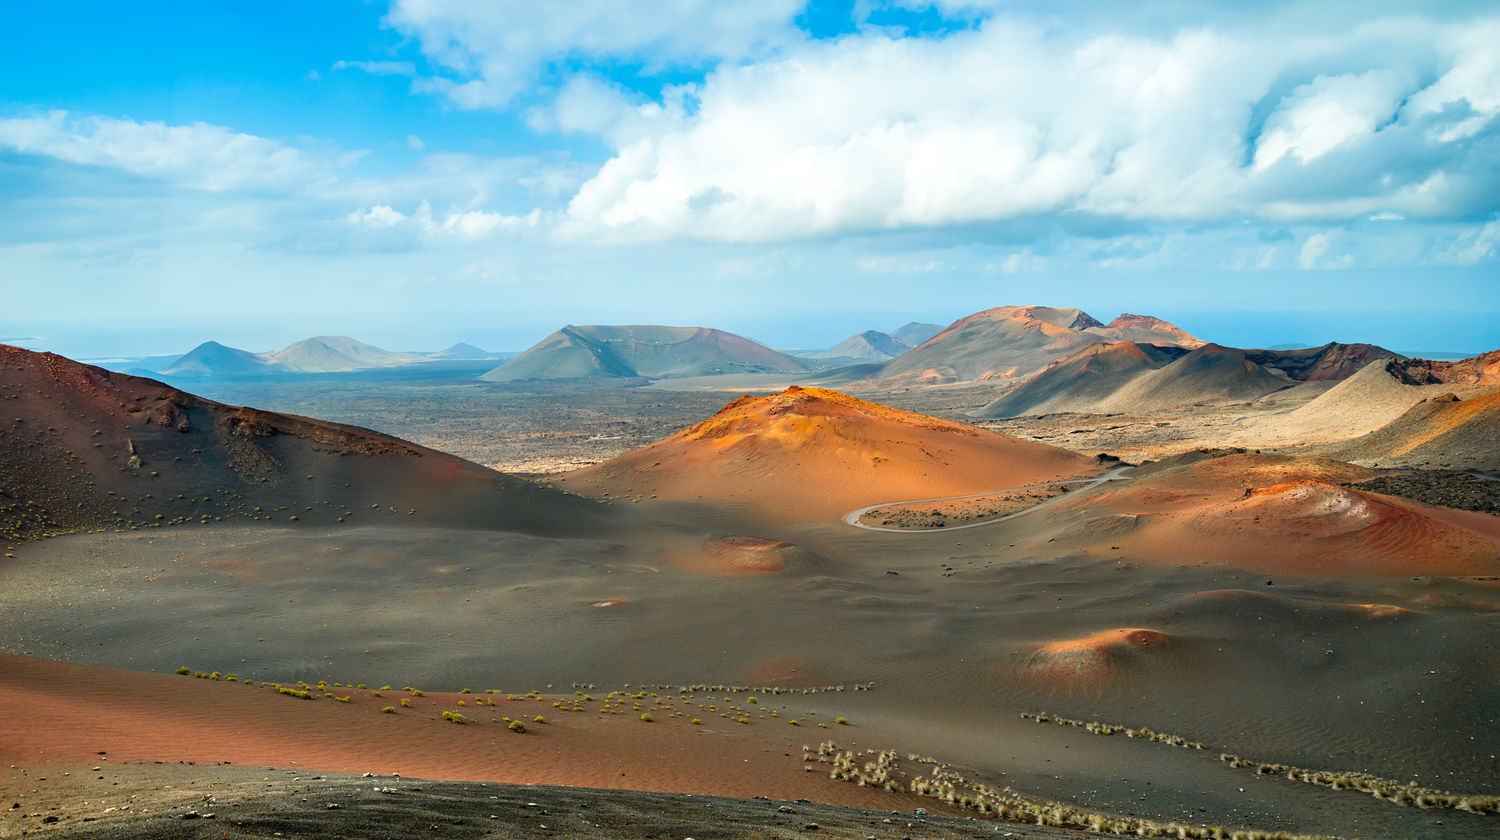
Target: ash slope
(82, 448)
(1133, 377)
(1442, 431)
(811, 453)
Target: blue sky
(419, 172)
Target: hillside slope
(82, 448)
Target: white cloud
(1021, 261)
(1475, 246)
(1010, 122)
(1328, 112)
(475, 225)
(415, 143)
(457, 226)
(197, 155)
(495, 48)
(379, 68)
(378, 216)
(897, 265)
(1315, 253)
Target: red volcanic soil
(814, 454)
(1286, 516)
(65, 714)
(82, 448)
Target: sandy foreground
(112, 753)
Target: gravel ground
(1446, 488)
(164, 802)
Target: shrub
(184, 670)
(390, 710)
(647, 717)
(516, 726)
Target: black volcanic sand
(946, 626)
(156, 802)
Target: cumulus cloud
(1011, 121)
(457, 226)
(377, 216)
(197, 155)
(496, 48)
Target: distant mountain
(916, 333)
(463, 351)
(320, 354)
(651, 352)
(1015, 342)
(868, 346)
(214, 359)
(335, 354)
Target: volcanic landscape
(1024, 575)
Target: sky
(415, 173)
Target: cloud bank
(872, 133)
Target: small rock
(785, 810)
(334, 806)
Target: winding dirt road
(1116, 474)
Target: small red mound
(1094, 656)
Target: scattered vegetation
(883, 769)
(1390, 790)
